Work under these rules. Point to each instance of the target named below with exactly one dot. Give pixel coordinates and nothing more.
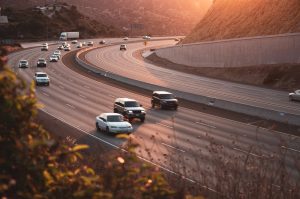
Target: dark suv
(130, 109)
(164, 99)
(41, 62)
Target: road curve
(175, 139)
(125, 64)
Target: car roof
(109, 114)
(40, 73)
(124, 99)
(161, 92)
(23, 60)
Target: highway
(125, 64)
(177, 140)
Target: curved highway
(125, 64)
(177, 140)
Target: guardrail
(219, 103)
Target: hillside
(245, 18)
(136, 17)
(34, 24)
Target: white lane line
(85, 86)
(208, 125)
(45, 94)
(82, 96)
(173, 147)
(291, 149)
(246, 152)
(60, 86)
(111, 95)
(170, 127)
(71, 106)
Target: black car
(130, 109)
(164, 100)
(41, 62)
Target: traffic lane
(112, 59)
(93, 92)
(78, 120)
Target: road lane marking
(60, 86)
(85, 86)
(173, 147)
(291, 149)
(246, 152)
(45, 94)
(208, 125)
(82, 96)
(111, 95)
(170, 127)
(71, 106)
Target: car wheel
(152, 105)
(115, 110)
(143, 119)
(97, 127)
(176, 107)
(290, 98)
(107, 130)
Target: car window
(131, 104)
(114, 118)
(101, 118)
(166, 96)
(41, 75)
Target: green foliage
(34, 165)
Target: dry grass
(244, 18)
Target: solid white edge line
(140, 157)
(170, 127)
(207, 125)
(170, 146)
(291, 149)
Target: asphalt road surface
(177, 140)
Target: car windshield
(23, 62)
(41, 75)
(166, 96)
(131, 104)
(114, 118)
(41, 60)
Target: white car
(23, 64)
(67, 48)
(41, 78)
(53, 58)
(90, 43)
(113, 123)
(295, 95)
(146, 37)
(74, 42)
(60, 47)
(102, 42)
(125, 38)
(44, 48)
(57, 52)
(79, 45)
(123, 47)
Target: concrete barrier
(219, 103)
(252, 51)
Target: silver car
(295, 95)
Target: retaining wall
(252, 51)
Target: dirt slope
(243, 18)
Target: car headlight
(143, 111)
(130, 112)
(163, 101)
